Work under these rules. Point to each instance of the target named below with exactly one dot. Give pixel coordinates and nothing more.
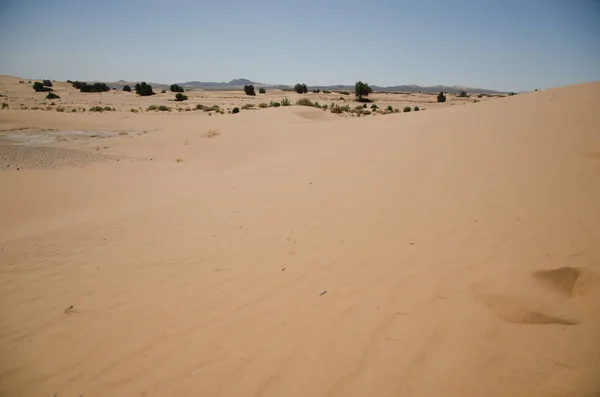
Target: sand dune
(449, 252)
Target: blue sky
(506, 45)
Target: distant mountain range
(240, 83)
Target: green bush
(39, 87)
(262, 91)
(326, 92)
(407, 109)
(126, 88)
(107, 108)
(316, 91)
(235, 110)
(263, 105)
(249, 90)
(305, 102)
(85, 87)
(389, 108)
(286, 102)
(52, 95)
(163, 108)
(301, 88)
(362, 90)
(96, 109)
(374, 107)
(343, 93)
(417, 109)
(441, 97)
(200, 106)
(143, 89)
(47, 83)
(176, 88)
(179, 97)
(274, 104)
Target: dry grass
(211, 133)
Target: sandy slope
(451, 252)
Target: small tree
(362, 90)
(126, 88)
(262, 91)
(463, 94)
(176, 88)
(249, 90)
(180, 97)
(143, 89)
(441, 97)
(47, 83)
(301, 88)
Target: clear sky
(509, 45)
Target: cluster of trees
(143, 89)
(176, 88)
(82, 86)
(249, 90)
(301, 88)
(40, 87)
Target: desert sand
(293, 252)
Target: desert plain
(290, 251)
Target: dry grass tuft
(211, 133)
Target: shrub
(366, 112)
(214, 108)
(96, 109)
(152, 107)
(274, 104)
(133, 110)
(463, 94)
(362, 90)
(47, 83)
(4, 105)
(512, 93)
(316, 91)
(343, 92)
(235, 110)
(262, 91)
(374, 107)
(441, 97)
(180, 97)
(305, 102)
(417, 109)
(336, 109)
(126, 88)
(286, 102)
(325, 106)
(52, 95)
(249, 90)
(163, 108)
(407, 109)
(326, 92)
(60, 109)
(72, 110)
(263, 105)
(143, 89)
(301, 88)
(39, 87)
(176, 88)
(52, 103)
(248, 106)
(200, 107)
(211, 133)
(389, 108)
(107, 108)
